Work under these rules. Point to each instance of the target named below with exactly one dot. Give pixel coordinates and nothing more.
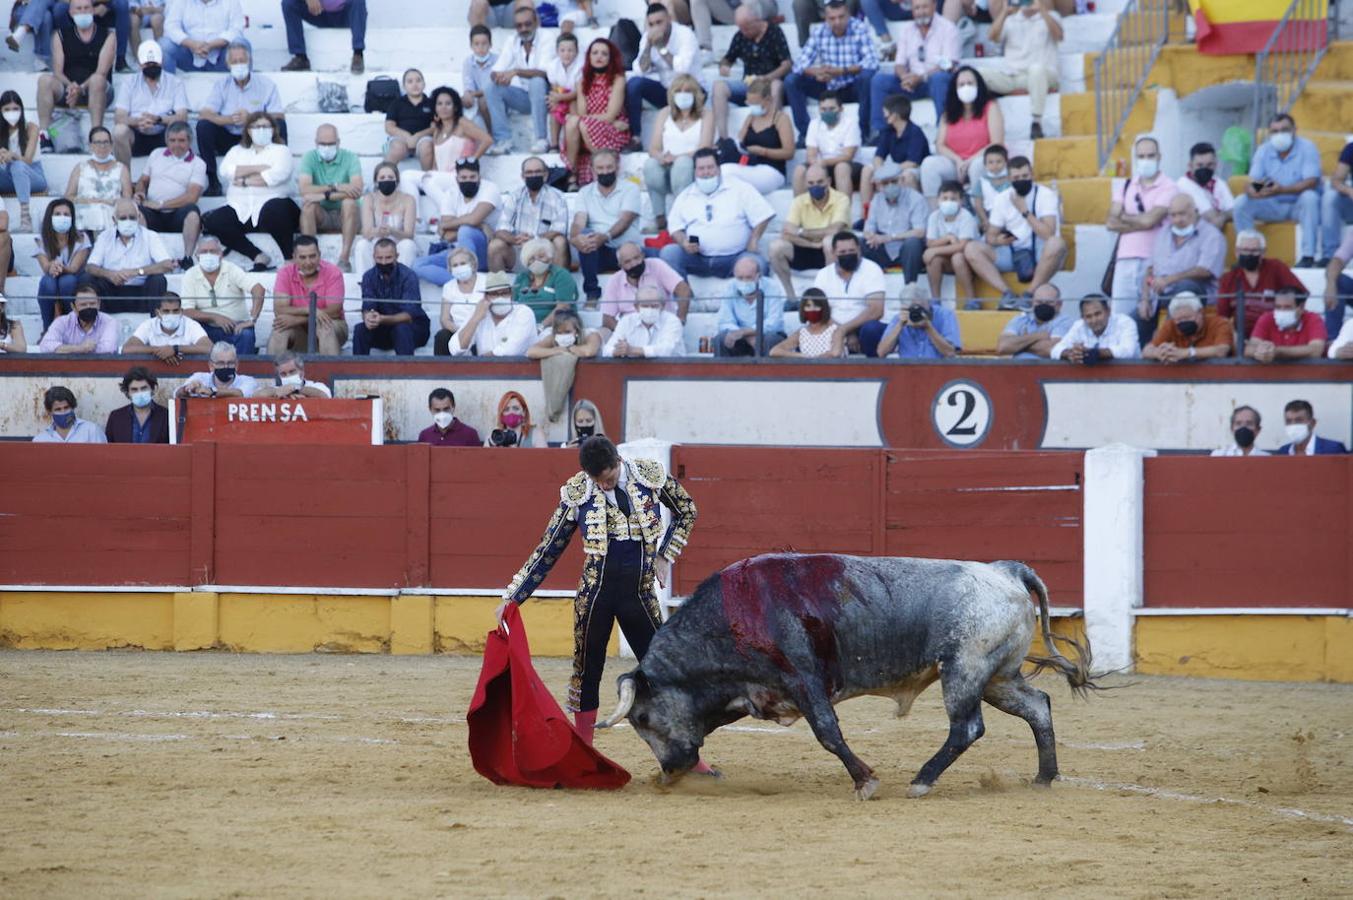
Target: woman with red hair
(598, 120)
(513, 426)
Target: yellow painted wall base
(1264, 648)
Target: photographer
(513, 426)
(922, 330)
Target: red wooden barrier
(1240, 533)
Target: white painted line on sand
(1162, 793)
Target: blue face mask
(1186, 231)
(63, 420)
(708, 185)
(745, 288)
(140, 399)
(84, 20)
(817, 191)
(756, 109)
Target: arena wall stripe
(1264, 648)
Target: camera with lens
(917, 314)
(503, 437)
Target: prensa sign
(263, 411)
(314, 420)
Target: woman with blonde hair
(460, 295)
(513, 426)
(542, 285)
(584, 423)
(683, 127)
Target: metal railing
(1290, 58)
(1122, 68)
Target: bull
(785, 635)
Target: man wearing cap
(498, 326)
(153, 101)
(895, 229)
(170, 186)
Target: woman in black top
(408, 122)
(766, 139)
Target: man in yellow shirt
(805, 242)
(214, 294)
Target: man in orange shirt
(1188, 334)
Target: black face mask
(225, 374)
(385, 269)
(585, 430)
(605, 179)
(151, 71)
(89, 316)
(1203, 175)
(1244, 436)
(534, 182)
(468, 189)
(1249, 261)
(1023, 186)
(848, 262)
(1044, 312)
(387, 187)
(1188, 329)
(636, 271)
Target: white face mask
(209, 262)
(12, 116)
(648, 314)
(1281, 140)
(462, 272)
(261, 136)
(707, 185)
(103, 159)
(501, 307)
(565, 340)
(61, 224)
(684, 100)
(171, 321)
(1297, 432)
(239, 71)
(949, 208)
(443, 419)
(327, 152)
(1285, 318)
(127, 227)
(538, 266)
(1147, 167)
(967, 93)
(292, 380)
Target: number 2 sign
(961, 414)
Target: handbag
(381, 91)
(1106, 283)
(728, 152)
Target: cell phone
(694, 239)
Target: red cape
(518, 733)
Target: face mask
(1147, 168)
(534, 182)
(292, 380)
(1022, 186)
(261, 136)
(327, 152)
(103, 159)
(513, 420)
(818, 191)
(923, 21)
(482, 59)
(209, 262)
(848, 262)
(1297, 432)
(648, 314)
(1244, 436)
(538, 266)
(462, 272)
(151, 71)
(127, 227)
(1188, 328)
(89, 315)
(708, 185)
(811, 315)
(385, 269)
(1281, 141)
(468, 189)
(239, 71)
(63, 420)
(756, 109)
(1044, 312)
(387, 187)
(225, 374)
(171, 321)
(61, 224)
(140, 399)
(831, 118)
(443, 419)
(1203, 175)
(565, 340)
(585, 430)
(1249, 261)
(606, 179)
(501, 307)
(967, 93)
(892, 191)
(745, 288)
(1186, 231)
(83, 20)
(1285, 318)
(948, 208)
(998, 175)
(636, 271)
(12, 116)
(684, 100)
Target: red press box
(307, 420)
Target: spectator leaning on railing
(1287, 332)
(1189, 334)
(498, 326)
(650, 331)
(169, 335)
(1100, 335)
(222, 378)
(290, 382)
(1033, 333)
(85, 329)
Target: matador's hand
(663, 569)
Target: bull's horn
(626, 701)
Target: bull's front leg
(812, 700)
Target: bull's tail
(1077, 673)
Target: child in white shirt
(564, 73)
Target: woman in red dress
(598, 119)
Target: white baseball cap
(149, 52)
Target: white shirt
(1219, 198)
(152, 334)
(247, 201)
(565, 78)
(170, 175)
(204, 20)
(1345, 337)
(1119, 338)
(1028, 43)
(168, 97)
(722, 220)
(462, 304)
(685, 50)
(509, 337)
(514, 55)
(831, 141)
(112, 252)
(942, 42)
(1233, 450)
(1042, 201)
(665, 337)
(847, 295)
(460, 205)
(245, 384)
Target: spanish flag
(1245, 26)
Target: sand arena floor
(214, 775)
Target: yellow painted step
(1085, 201)
(1065, 157)
(1324, 105)
(1186, 71)
(979, 329)
(1337, 64)
(1078, 113)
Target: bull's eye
(641, 720)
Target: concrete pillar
(1112, 531)
(659, 451)
(196, 620)
(411, 624)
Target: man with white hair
(1251, 285)
(1100, 335)
(650, 331)
(1187, 256)
(214, 293)
(1137, 213)
(128, 263)
(222, 378)
(291, 383)
(921, 330)
(1189, 335)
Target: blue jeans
(403, 338)
(699, 264)
(881, 12)
(242, 339)
(22, 179)
(500, 98)
(591, 265)
(433, 267)
(1304, 209)
(1336, 211)
(885, 84)
(798, 88)
(869, 335)
(352, 15)
(178, 57)
(52, 291)
(60, 18)
(639, 88)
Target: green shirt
(345, 167)
(559, 288)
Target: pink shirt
(617, 298)
(1139, 244)
(968, 137)
(328, 284)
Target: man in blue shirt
(1033, 333)
(922, 330)
(737, 314)
(839, 56)
(392, 312)
(902, 142)
(1284, 186)
(220, 121)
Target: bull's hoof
(918, 790)
(1044, 781)
(867, 789)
